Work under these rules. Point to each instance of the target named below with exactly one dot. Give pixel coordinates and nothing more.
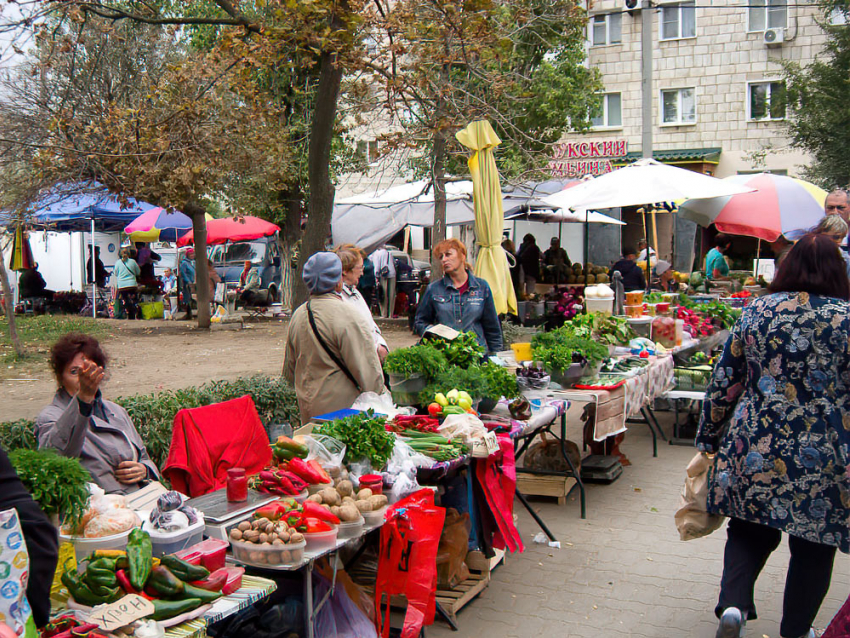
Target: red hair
(448, 244)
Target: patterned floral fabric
(777, 413)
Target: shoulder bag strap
(327, 349)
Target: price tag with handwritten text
(130, 608)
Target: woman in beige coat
(330, 352)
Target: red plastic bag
(407, 563)
(497, 476)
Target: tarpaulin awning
(675, 156)
(228, 229)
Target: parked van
(229, 260)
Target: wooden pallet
(454, 599)
(553, 486)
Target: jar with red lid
(374, 482)
(237, 485)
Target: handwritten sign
(130, 608)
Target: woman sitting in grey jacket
(80, 423)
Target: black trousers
(748, 547)
(128, 299)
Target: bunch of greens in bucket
(423, 359)
(462, 351)
(559, 349)
(608, 330)
(364, 435)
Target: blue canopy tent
(81, 207)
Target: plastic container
(650, 309)
(303, 496)
(670, 297)
(641, 325)
(522, 351)
(374, 482)
(269, 555)
(634, 311)
(352, 528)
(83, 547)
(680, 331)
(634, 298)
(319, 541)
(405, 390)
(211, 551)
(662, 308)
(605, 305)
(237, 485)
(376, 517)
(171, 542)
(664, 331)
(234, 579)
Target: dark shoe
(731, 624)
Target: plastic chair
(209, 440)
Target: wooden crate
(454, 599)
(553, 486)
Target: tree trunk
(9, 306)
(438, 180)
(202, 269)
(289, 236)
(320, 208)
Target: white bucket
(605, 305)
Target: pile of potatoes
(345, 504)
(269, 536)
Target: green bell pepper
(139, 557)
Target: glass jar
(237, 485)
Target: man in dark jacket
(629, 270)
(32, 284)
(529, 259)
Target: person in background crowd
(214, 277)
(834, 227)
(557, 261)
(513, 263)
(330, 351)
(775, 415)
(716, 266)
(145, 257)
(529, 260)
(249, 284)
(781, 247)
(838, 203)
(169, 281)
(630, 272)
(644, 250)
(126, 273)
(665, 281)
(352, 259)
(80, 423)
(459, 300)
(100, 273)
(367, 282)
(187, 280)
(31, 284)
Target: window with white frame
(766, 101)
(678, 21)
(606, 28)
(611, 115)
(767, 14)
(679, 106)
(367, 151)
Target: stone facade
(719, 63)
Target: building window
(767, 14)
(606, 28)
(678, 21)
(612, 112)
(766, 101)
(367, 151)
(679, 106)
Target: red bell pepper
(318, 511)
(213, 582)
(320, 470)
(314, 525)
(301, 469)
(274, 510)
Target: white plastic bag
(328, 451)
(381, 404)
(405, 459)
(462, 426)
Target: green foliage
(560, 348)
(462, 351)
(364, 436)
(422, 359)
(56, 482)
(484, 381)
(818, 109)
(153, 414)
(499, 382)
(605, 329)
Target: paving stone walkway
(623, 571)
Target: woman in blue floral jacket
(777, 414)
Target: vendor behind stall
(834, 227)
(665, 280)
(459, 300)
(715, 261)
(631, 273)
(330, 353)
(80, 423)
(32, 284)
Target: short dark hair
(629, 250)
(72, 344)
(528, 237)
(722, 241)
(814, 265)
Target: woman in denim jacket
(459, 300)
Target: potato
(316, 498)
(335, 510)
(364, 506)
(334, 471)
(244, 526)
(348, 500)
(348, 513)
(378, 501)
(345, 488)
(236, 534)
(330, 496)
(364, 494)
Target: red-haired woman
(777, 415)
(459, 300)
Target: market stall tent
(229, 229)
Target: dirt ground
(149, 356)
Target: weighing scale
(220, 515)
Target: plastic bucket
(522, 351)
(405, 390)
(605, 305)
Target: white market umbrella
(644, 182)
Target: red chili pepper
(317, 511)
(124, 582)
(317, 467)
(303, 470)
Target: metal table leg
(576, 472)
(308, 600)
(534, 515)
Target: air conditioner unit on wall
(631, 5)
(774, 37)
